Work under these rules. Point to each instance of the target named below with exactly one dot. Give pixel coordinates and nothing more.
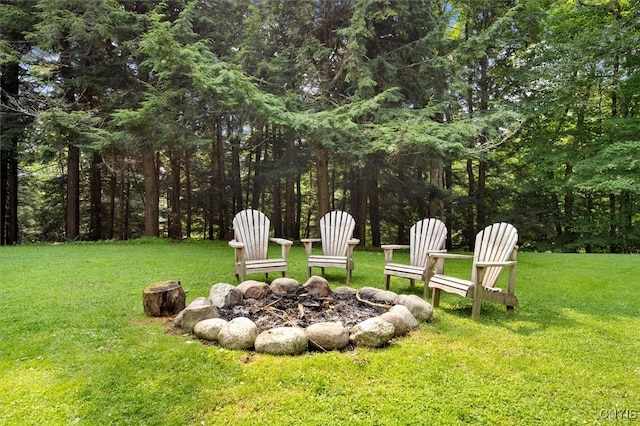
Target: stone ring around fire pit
(287, 318)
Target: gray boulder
(198, 310)
(419, 308)
(374, 332)
(254, 289)
(239, 333)
(317, 285)
(224, 295)
(284, 285)
(327, 336)
(345, 290)
(401, 318)
(378, 296)
(209, 329)
(281, 341)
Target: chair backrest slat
(251, 227)
(495, 243)
(336, 229)
(425, 236)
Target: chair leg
(309, 272)
(475, 308)
(387, 280)
(412, 283)
(435, 298)
(348, 276)
(425, 295)
(510, 310)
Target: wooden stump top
(163, 298)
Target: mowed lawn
(77, 348)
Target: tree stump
(164, 298)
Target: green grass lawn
(77, 348)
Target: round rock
(209, 329)
(419, 308)
(254, 289)
(223, 295)
(327, 336)
(239, 333)
(198, 310)
(374, 332)
(281, 341)
(401, 318)
(317, 285)
(284, 285)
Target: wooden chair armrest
(351, 245)
(490, 264)
(310, 240)
(236, 244)
(445, 255)
(284, 244)
(389, 248)
(395, 246)
(281, 241)
(308, 244)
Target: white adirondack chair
(496, 247)
(426, 236)
(251, 242)
(336, 237)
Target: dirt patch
(302, 310)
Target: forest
(124, 119)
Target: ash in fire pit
(286, 318)
(303, 309)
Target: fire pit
(289, 318)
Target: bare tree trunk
(290, 194)
(436, 181)
(10, 84)
(322, 180)
(469, 229)
(189, 192)
(374, 204)
(73, 193)
(95, 221)
(175, 216)
(151, 192)
(223, 227)
(481, 210)
(110, 222)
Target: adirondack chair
(426, 236)
(496, 247)
(336, 231)
(251, 241)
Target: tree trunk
(374, 205)
(322, 180)
(481, 210)
(73, 193)
(151, 192)
(360, 202)
(110, 222)
(435, 179)
(95, 221)
(290, 194)
(10, 84)
(223, 228)
(188, 192)
(175, 216)
(469, 228)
